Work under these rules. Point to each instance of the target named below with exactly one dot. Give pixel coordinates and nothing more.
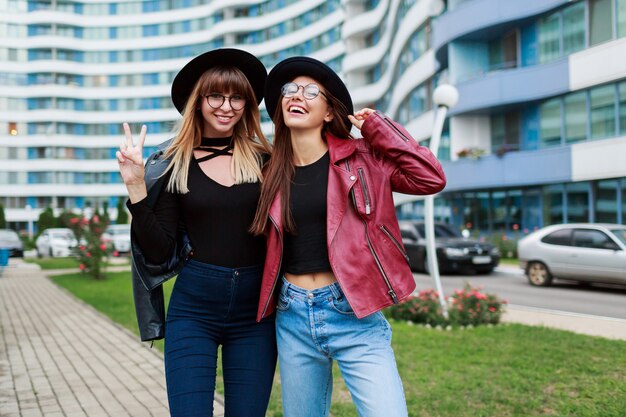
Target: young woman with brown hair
(334, 252)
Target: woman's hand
(130, 157)
(360, 116)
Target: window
(606, 201)
(600, 21)
(603, 112)
(622, 107)
(550, 122)
(553, 204)
(574, 28)
(621, 18)
(594, 239)
(549, 38)
(577, 202)
(560, 237)
(575, 117)
(505, 132)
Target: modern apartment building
(537, 137)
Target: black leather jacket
(147, 277)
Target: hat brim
(285, 71)
(247, 63)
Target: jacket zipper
(391, 291)
(395, 241)
(402, 135)
(366, 194)
(280, 262)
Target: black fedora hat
(247, 63)
(285, 71)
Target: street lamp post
(445, 96)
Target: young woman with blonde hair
(192, 208)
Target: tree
(105, 213)
(46, 220)
(3, 220)
(122, 216)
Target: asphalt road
(512, 285)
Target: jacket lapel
(340, 182)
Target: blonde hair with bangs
(249, 143)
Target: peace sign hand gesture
(130, 159)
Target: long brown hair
(249, 143)
(280, 170)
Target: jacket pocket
(363, 191)
(395, 242)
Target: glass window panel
(549, 38)
(600, 21)
(575, 117)
(498, 204)
(577, 202)
(622, 107)
(550, 122)
(574, 28)
(561, 237)
(606, 201)
(623, 200)
(586, 238)
(621, 18)
(603, 112)
(552, 204)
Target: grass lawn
(510, 261)
(68, 262)
(506, 370)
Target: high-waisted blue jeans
(316, 327)
(211, 306)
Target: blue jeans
(211, 306)
(314, 328)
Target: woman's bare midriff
(312, 281)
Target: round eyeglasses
(216, 100)
(309, 91)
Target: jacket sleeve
(412, 168)
(150, 309)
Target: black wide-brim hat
(247, 63)
(285, 71)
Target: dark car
(454, 252)
(11, 241)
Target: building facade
(538, 136)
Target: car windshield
(62, 234)
(440, 231)
(620, 234)
(8, 235)
(120, 231)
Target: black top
(306, 251)
(216, 217)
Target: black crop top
(216, 217)
(306, 251)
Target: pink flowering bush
(92, 251)
(470, 306)
(423, 308)
(465, 307)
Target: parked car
(118, 237)
(56, 242)
(584, 252)
(10, 240)
(455, 253)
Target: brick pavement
(61, 358)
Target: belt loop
(336, 290)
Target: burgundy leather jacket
(364, 244)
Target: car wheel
(484, 271)
(50, 253)
(538, 274)
(39, 254)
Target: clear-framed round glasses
(309, 91)
(216, 100)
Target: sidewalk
(60, 357)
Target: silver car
(56, 242)
(584, 252)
